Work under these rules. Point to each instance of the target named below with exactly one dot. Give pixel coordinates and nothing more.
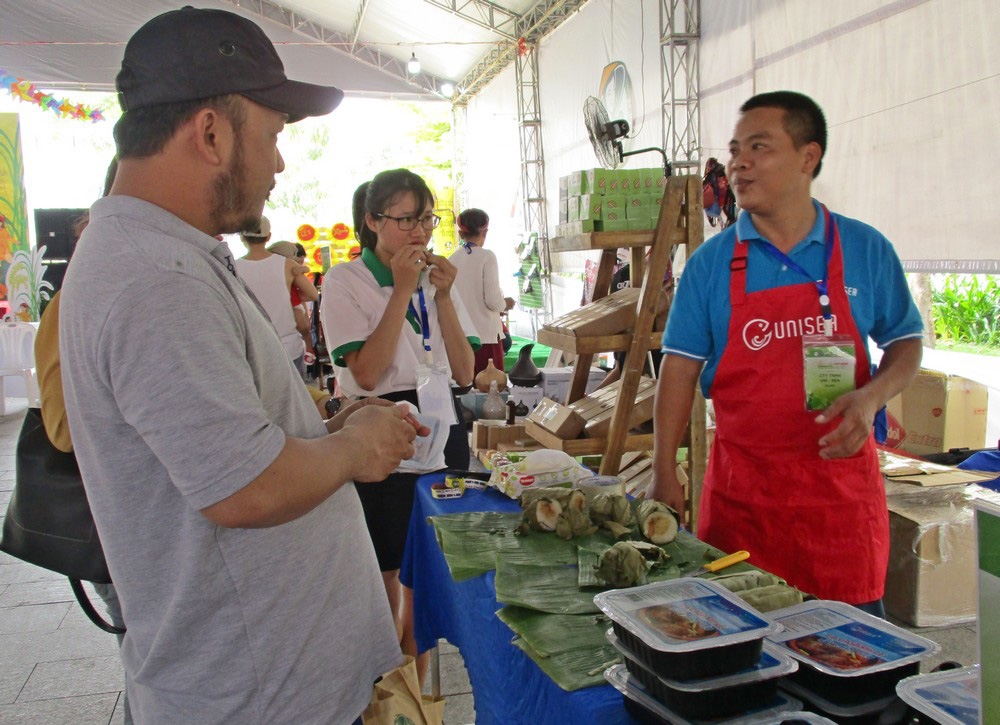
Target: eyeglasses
(409, 223)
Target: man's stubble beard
(231, 204)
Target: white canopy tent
(909, 87)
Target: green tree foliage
(966, 308)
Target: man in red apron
(793, 476)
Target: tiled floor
(57, 668)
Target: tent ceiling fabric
(73, 44)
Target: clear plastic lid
(684, 615)
(798, 716)
(773, 663)
(620, 679)
(841, 640)
(832, 708)
(951, 697)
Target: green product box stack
(634, 181)
(573, 209)
(649, 177)
(563, 187)
(563, 210)
(598, 181)
(590, 207)
(577, 183)
(640, 223)
(614, 201)
(614, 225)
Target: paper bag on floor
(396, 700)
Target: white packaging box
(556, 382)
(529, 396)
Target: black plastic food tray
(708, 703)
(641, 714)
(848, 691)
(694, 664)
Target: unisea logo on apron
(757, 333)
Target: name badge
(828, 367)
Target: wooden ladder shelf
(679, 222)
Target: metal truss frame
(680, 31)
(529, 121)
(483, 13)
(538, 21)
(345, 43)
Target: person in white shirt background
(478, 284)
(388, 316)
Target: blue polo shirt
(880, 300)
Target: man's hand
(667, 488)
(406, 266)
(858, 409)
(382, 438)
(442, 274)
(509, 302)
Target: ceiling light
(447, 89)
(413, 65)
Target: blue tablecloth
(508, 687)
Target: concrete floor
(58, 668)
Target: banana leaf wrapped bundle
(623, 565)
(541, 514)
(573, 522)
(657, 521)
(606, 506)
(769, 598)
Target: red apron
(820, 524)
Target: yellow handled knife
(720, 564)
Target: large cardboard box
(931, 577)
(559, 420)
(939, 412)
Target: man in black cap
(226, 507)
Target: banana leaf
(543, 587)
(575, 669)
(470, 541)
(552, 634)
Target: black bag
(48, 521)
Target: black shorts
(388, 504)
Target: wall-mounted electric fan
(606, 135)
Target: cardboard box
(573, 209)
(530, 397)
(940, 412)
(633, 180)
(598, 181)
(563, 187)
(614, 202)
(638, 212)
(613, 225)
(488, 435)
(649, 178)
(931, 577)
(590, 206)
(577, 183)
(556, 382)
(559, 420)
(563, 210)
(637, 224)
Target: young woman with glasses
(380, 313)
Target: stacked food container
(950, 697)
(849, 662)
(694, 651)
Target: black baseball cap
(192, 53)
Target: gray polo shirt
(179, 393)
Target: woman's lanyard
(821, 285)
(468, 247)
(425, 325)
